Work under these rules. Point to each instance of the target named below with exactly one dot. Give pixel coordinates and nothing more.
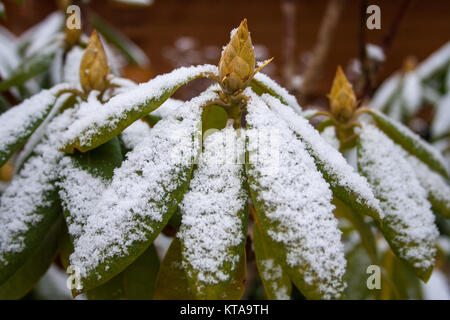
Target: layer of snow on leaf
(418, 141)
(282, 92)
(79, 192)
(412, 92)
(212, 208)
(341, 173)
(28, 189)
(104, 116)
(402, 198)
(297, 199)
(135, 133)
(15, 122)
(437, 60)
(272, 271)
(441, 121)
(141, 187)
(385, 92)
(167, 108)
(329, 135)
(430, 180)
(375, 52)
(71, 72)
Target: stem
(288, 9)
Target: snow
(329, 135)
(29, 188)
(271, 272)
(431, 181)
(282, 92)
(140, 190)
(412, 92)
(307, 229)
(71, 72)
(135, 133)
(211, 228)
(441, 120)
(408, 217)
(385, 92)
(340, 172)
(437, 60)
(16, 122)
(105, 117)
(375, 52)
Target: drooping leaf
(29, 68)
(214, 216)
(18, 123)
(436, 186)
(276, 282)
(236, 287)
(408, 224)
(35, 267)
(411, 142)
(28, 208)
(298, 220)
(344, 181)
(136, 282)
(171, 281)
(144, 193)
(213, 117)
(125, 108)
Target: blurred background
(174, 32)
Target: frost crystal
(301, 216)
(213, 207)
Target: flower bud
(342, 98)
(94, 67)
(237, 64)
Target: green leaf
(29, 68)
(411, 142)
(157, 184)
(363, 228)
(35, 267)
(236, 287)
(276, 282)
(344, 181)
(131, 52)
(125, 108)
(213, 117)
(32, 198)
(171, 281)
(19, 122)
(136, 282)
(436, 186)
(408, 224)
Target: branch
(288, 8)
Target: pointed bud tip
(342, 98)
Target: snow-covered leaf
(277, 284)
(143, 195)
(299, 219)
(344, 181)
(106, 121)
(35, 267)
(214, 215)
(18, 123)
(30, 204)
(171, 281)
(411, 142)
(436, 186)
(408, 224)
